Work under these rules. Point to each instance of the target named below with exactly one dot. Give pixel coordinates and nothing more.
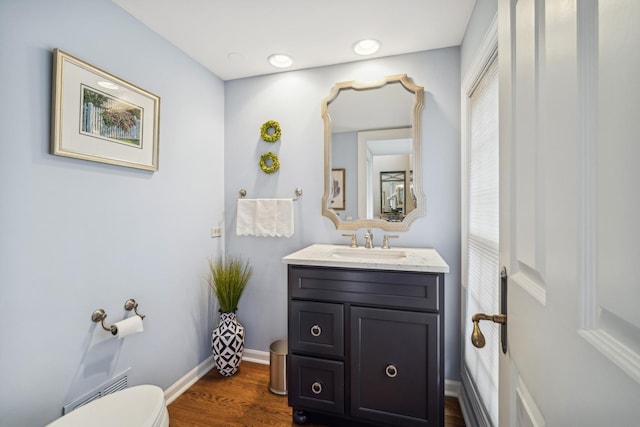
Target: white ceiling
(233, 38)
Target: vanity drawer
(316, 384)
(401, 289)
(316, 328)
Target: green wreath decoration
(270, 137)
(272, 158)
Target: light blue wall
(293, 99)
(76, 235)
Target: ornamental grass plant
(228, 277)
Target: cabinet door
(395, 372)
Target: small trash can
(278, 367)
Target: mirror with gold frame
(369, 129)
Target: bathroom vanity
(366, 334)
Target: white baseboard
(176, 389)
(256, 356)
(452, 388)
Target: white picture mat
(68, 139)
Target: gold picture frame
(99, 117)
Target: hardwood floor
(245, 400)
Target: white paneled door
(570, 211)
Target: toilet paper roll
(129, 326)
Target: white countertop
(401, 259)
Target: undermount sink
(402, 259)
(378, 254)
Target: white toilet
(139, 406)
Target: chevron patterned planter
(227, 344)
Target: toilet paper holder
(99, 315)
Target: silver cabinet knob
(391, 371)
(316, 330)
(316, 388)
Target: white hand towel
(265, 217)
(266, 212)
(245, 222)
(284, 217)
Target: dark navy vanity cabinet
(366, 345)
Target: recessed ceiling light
(366, 46)
(280, 60)
(109, 85)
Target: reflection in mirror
(372, 134)
(392, 195)
(380, 150)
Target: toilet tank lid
(132, 407)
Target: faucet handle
(368, 239)
(385, 240)
(354, 239)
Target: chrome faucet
(368, 239)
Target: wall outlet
(216, 232)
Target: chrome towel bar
(298, 192)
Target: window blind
(483, 234)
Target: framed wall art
(99, 117)
(337, 190)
